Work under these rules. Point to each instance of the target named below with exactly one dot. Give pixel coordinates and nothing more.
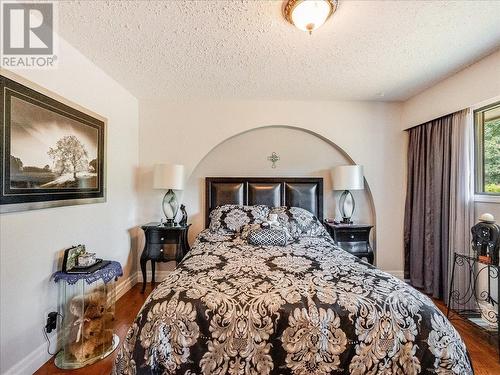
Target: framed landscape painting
(52, 153)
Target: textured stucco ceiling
(369, 50)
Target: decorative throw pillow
(267, 237)
(231, 218)
(299, 222)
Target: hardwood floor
(483, 353)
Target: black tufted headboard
(304, 192)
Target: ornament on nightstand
(486, 239)
(184, 219)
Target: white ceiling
(369, 50)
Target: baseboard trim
(125, 284)
(32, 362)
(159, 276)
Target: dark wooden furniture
(304, 192)
(158, 237)
(354, 238)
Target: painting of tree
(16, 164)
(51, 151)
(69, 155)
(93, 165)
(54, 151)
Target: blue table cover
(106, 274)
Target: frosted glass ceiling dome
(309, 15)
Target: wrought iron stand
(468, 303)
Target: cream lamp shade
(168, 176)
(348, 177)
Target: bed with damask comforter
(304, 308)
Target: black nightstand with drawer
(155, 249)
(354, 238)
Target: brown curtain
(426, 226)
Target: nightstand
(155, 249)
(354, 238)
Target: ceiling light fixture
(308, 15)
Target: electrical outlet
(51, 322)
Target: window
(487, 149)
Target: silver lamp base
(346, 206)
(170, 207)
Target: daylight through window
(487, 149)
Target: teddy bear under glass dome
(87, 304)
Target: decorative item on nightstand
(76, 259)
(486, 239)
(346, 178)
(184, 219)
(169, 177)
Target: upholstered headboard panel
(304, 192)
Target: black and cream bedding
(305, 308)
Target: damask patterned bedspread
(307, 308)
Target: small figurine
(184, 218)
(272, 220)
(486, 239)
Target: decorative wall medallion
(273, 159)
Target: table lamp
(169, 177)
(346, 178)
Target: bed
(304, 308)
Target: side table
(87, 302)
(155, 249)
(353, 238)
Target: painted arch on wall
(246, 153)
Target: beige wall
(246, 155)
(369, 133)
(31, 242)
(471, 86)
